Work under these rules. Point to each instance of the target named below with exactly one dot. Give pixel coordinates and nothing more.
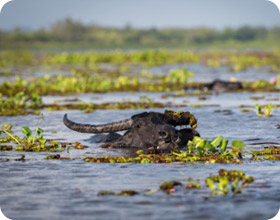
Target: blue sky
(33, 14)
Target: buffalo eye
(163, 134)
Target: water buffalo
(147, 130)
(222, 86)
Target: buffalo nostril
(163, 134)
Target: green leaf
(42, 141)
(200, 144)
(223, 184)
(223, 145)
(210, 184)
(259, 108)
(216, 141)
(191, 148)
(201, 151)
(210, 147)
(238, 144)
(234, 186)
(39, 132)
(197, 139)
(26, 131)
(145, 160)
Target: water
(51, 189)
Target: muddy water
(50, 189)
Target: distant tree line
(69, 31)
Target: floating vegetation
(256, 98)
(90, 107)
(104, 83)
(178, 76)
(56, 157)
(267, 112)
(218, 146)
(199, 150)
(32, 142)
(20, 104)
(259, 86)
(84, 77)
(78, 145)
(169, 186)
(246, 110)
(122, 193)
(6, 147)
(237, 61)
(95, 82)
(193, 186)
(233, 181)
(227, 181)
(272, 157)
(271, 150)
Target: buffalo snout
(168, 137)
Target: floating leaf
(223, 145)
(210, 184)
(216, 141)
(237, 143)
(26, 131)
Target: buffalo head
(145, 130)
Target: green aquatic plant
(7, 130)
(233, 181)
(199, 150)
(144, 102)
(265, 110)
(6, 147)
(19, 104)
(227, 181)
(179, 76)
(56, 157)
(122, 193)
(38, 134)
(35, 143)
(271, 150)
(259, 85)
(216, 145)
(167, 187)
